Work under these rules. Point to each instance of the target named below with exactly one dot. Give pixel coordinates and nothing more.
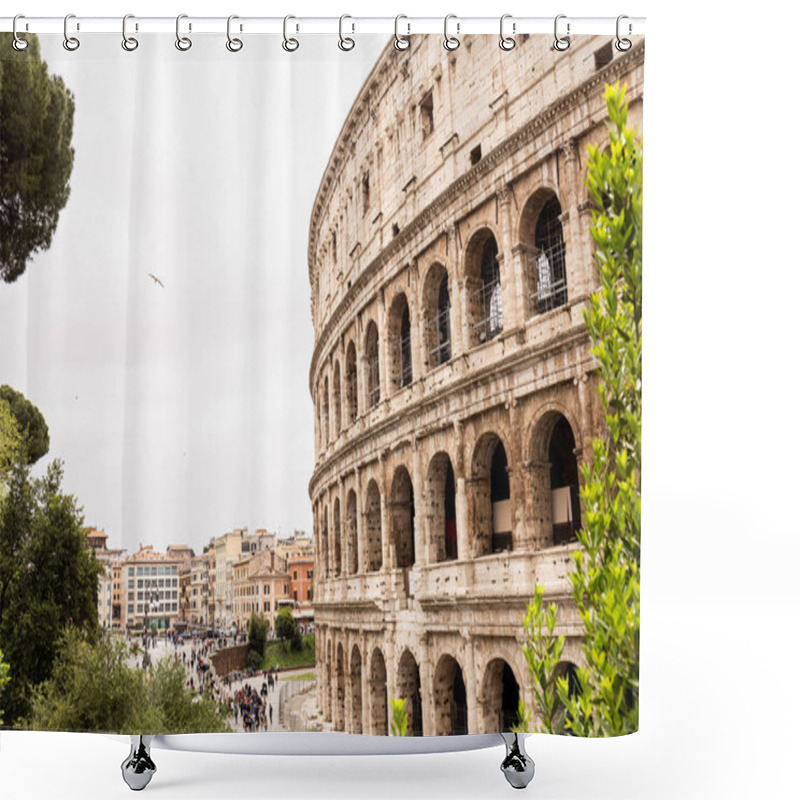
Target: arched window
(486, 301)
(337, 539)
(450, 698)
(372, 515)
(352, 534)
(436, 304)
(337, 400)
(501, 501)
(491, 497)
(399, 333)
(351, 380)
(550, 273)
(564, 483)
(372, 366)
(325, 413)
(500, 697)
(402, 518)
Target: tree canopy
(36, 154)
(30, 422)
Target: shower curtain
(321, 383)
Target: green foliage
(48, 579)
(11, 444)
(3, 680)
(94, 688)
(287, 630)
(542, 650)
(257, 631)
(36, 116)
(279, 655)
(399, 716)
(523, 719)
(30, 424)
(605, 578)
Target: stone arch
(492, 512)
(352, 533)
(399, 341)
(441, 501)
(324, 541)
(351, 383)
(450, 698)
(403, 518)
(337, 399)
(378, 696)
(337, 539)
(325, 412)
(372, 520)
(436, 310)
(555, 478)
(543, 246)
(501, 696)
(339, 708)
(409, 686)
(372, 368)
(356, 704)
(484, 290)
(329, 677)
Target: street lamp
(151, 604)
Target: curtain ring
(507, 42)
(289, 44)
(623, 44)
(234, 45)
(401, 42)
(19, 43)
(561, 43)
(345, 42)
(183, 43)
(129, 43)
(71, 43)
(451, 42)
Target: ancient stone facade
(450, 261)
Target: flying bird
(156, 279)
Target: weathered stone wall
(443, 159)
(229, 659)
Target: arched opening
(328, 682)
(402, 517)
(491, 497)
(372, 365)
(355, 692)
(568, 670)
(483, 281)
(378, 699)
(399, 332)
(500, 697)
(324, 565)
(337, 539)
(542, 240)
(441, 487)
(372, 518)
(351, 383)
(352, 533)
(436, 305)
(338, 711)
(325, 412)
(450, 698)
(337, 400)
(564, 483)
(409, 687)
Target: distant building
(151, 587)
(109, 607)
(301, 571)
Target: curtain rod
(350, 25)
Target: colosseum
(450, 260)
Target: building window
(475, 155)
(603, 56)
(487, 301)
(295, 575)
(550, 273)
(351, 383)
(426, 115)
(310, 574)
(365, 194)
(372, 366)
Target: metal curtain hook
(183, 43)
(71, 43)
(129, 43)
(507, 42)
(234, 45)
(345, 42)
(289, 44)
(623, 44)
(451, 42)
(561, 43)
(19, 43)
(401, 42)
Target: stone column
(421, 505)
(541, 520)
(387, 547)
(513, 290)
(459, 303)
(463, 532)
(471, 680)
(579, 267)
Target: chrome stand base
(517, 766)
(138, 768)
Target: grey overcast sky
(183, 411)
